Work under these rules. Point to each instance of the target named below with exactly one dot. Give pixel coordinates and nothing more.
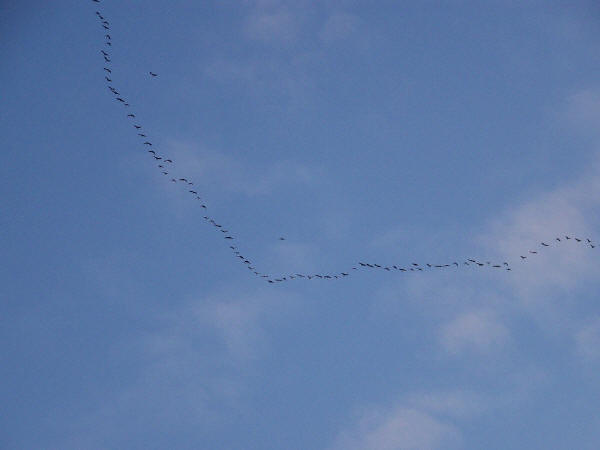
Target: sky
(388, 132)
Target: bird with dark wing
(153, 74)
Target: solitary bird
(130, 115)
(153, 74)
(147, 143)
(282, 239)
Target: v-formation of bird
(166, 165)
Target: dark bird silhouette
(107, 36)
(137, 127)
(153, 74)
(168, 160)
(533, 251)
(130, 115)
(282, 239)
(545, 245)
(108, 70)
(107, 79)
(578, 240)
(120, 99)
(142, 135)
(523, 257)
(152, 151)
(104, 53)
(157, 157)
(147, 143)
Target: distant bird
(183, 179)
(152, 151)
(108, 70)
(168, 160)
(165, 173)
(107, 79)
(130, 115)
(545, 245)
(104, 53)
(194, 192)
(157, 157)
(282, 239)
(533, 251)
(107, 36)
(142, 135)
(147, 143)
(137, 127)
(153, 74)
(558, 239)
(578, 240)
(120, 99)
(228, 237)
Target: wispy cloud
(212, 168)
(275, 26)
(398, 428)
(474, 331)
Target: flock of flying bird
(167, 166)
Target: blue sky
(382, 131)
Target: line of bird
(167, 166)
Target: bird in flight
(153, 74)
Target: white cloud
(478, 331)
(401, 428)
